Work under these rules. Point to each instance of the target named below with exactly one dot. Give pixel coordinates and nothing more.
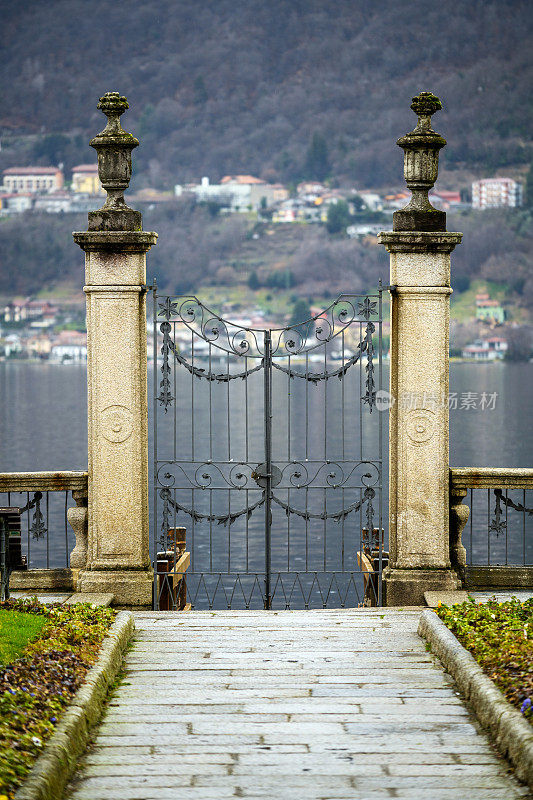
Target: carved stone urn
(420, 168)
(113, 146)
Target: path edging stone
(56, 764)
(512, 734)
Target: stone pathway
(288, 705)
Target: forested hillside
(196, 250)
(223, 86)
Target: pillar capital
(115, 241)
(419, 241)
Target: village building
(492, 349)
(69, 346)
(36, 180)
(240, 193)
(444, 199)
(19, 310)
(54, 203)
(85, 180)
(489, 310)
(372, 200)
(496, 193)
(15, 203)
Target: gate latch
(261, 475)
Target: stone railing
(40, 503)
(496, 549)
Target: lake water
(43, 421)
(43, 426)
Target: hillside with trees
(196, 250)
(284, 90)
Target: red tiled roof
(92, 168)
(32, 171)
(243, 179)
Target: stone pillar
(419, 248)
(115, 248)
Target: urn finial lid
(113, 103)
(425, 105)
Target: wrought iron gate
(267, 486)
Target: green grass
(17, 629)
(43, 678)
(500, 637)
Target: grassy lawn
(47, 652)
(500, 637)
(16, 630)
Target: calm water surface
(43, 416)
(43, 427)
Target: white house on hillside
(240, 192)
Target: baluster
(78, 518)
(459, 514)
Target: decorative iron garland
(230, 518)
(165, 397)
(316, 377)
(370, 395)
(223, 519)
(368, 496)
(221, 377)
(496, 525)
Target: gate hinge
(145, 287)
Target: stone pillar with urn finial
(115, 248)
(419, 248)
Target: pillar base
(129, 587)
(406, 587)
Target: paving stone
(94, 598)
(323, 705)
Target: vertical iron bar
(471, 529)
(29, 524)
(360, 393)
(380, 444)
(288, 459)
(210, 458)
(191, 547)
(306, 457)
(246, 458)
(66, 527)
(488, 528)
(155, 409)
(175, 378)
(506, 525)
(268, 462)
(48, 531)
(229, 461)
(325, 533)
(4, 565)
(524, 528)
(343, 432)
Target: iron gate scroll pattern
(268, 451)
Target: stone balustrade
(44, 529)
(492, 533)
